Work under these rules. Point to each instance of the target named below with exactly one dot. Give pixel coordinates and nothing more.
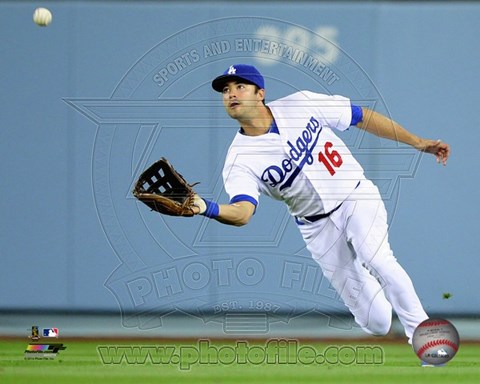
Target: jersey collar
(273, 128)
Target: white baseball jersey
(300, 161)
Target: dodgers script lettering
(300, 152)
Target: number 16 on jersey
(330, 158)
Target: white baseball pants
(351, 246)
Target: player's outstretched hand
(438, 148)
(199, 205)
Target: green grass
(355, 363)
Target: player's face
(241, 100)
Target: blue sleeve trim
(250, 199)
(357, 114)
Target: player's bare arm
(237, 214)
(380, 125)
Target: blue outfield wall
(109, 87)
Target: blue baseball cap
(244, 72)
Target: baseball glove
(164, 190)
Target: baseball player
(288, 150)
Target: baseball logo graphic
(436, 341)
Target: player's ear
(261, 94)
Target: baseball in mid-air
(42, 17)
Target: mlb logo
(50, 332)
(442, 353)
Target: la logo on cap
(232, 70)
